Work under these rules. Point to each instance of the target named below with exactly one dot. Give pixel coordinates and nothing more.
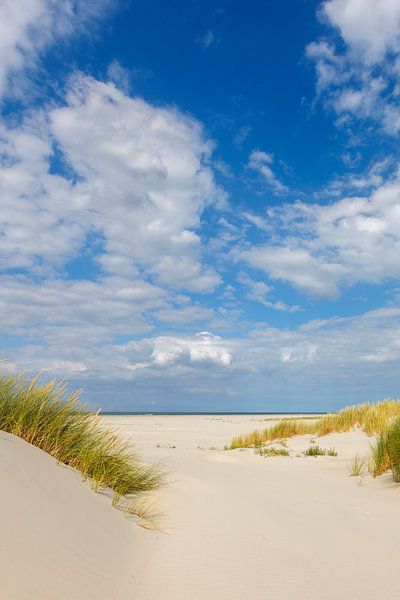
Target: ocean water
(206, 413)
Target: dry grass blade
(357, 465)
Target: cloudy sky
(200, 200)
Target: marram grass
(371, 418)
(386, 453)
(45, 416)
(271, 451)
(315, 450)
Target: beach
(242, 526)
(228, 524)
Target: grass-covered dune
(371, 418)
(381, 419)
(45, 416)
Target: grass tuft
(357, 465)
(270, 451)
(45, 416)
(316, 450)
(331, 452)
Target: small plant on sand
(357, 465)
(270, 451)
(331, 452)
(316, 450)
(46, 417)
(386, 453)
(165, 445)
(150, 513)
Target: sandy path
(243, 526)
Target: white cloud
(28, 27)
(223, 167)
(135, 182)
(258, 291)
(81, 312)
(324, 247)
(262, 163)
(204, 347)
(360, 80)
(144, 176)
(38, 223)
(119, 75)
(373, 177)
(371, 29)
(321, 358)
(207, 39)
(140, 180)
(242, 135)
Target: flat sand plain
(234, 525)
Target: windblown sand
(235, 525)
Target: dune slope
(59, 540)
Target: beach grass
(371, 418)
(357, 465)
(386, 453)
(47, 417)
(271, 451)
(316, 450)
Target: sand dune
(236, 525)
(58, 539)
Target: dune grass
(371, 418)
(316, 450)
(357, 465)
(386, 453)
(45, 416)
(271, 451)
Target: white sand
(58, 540)
(236, 525)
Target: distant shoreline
(202, 414)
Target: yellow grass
(386, 453)
(371, 418)
(46, 417)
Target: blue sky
(200, 201)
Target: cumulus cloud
(370, 29)
(358, 75)
(38, 222)
(202, 348)
(143, 176)
(322, 248)
(138, 177)
(28, 27)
